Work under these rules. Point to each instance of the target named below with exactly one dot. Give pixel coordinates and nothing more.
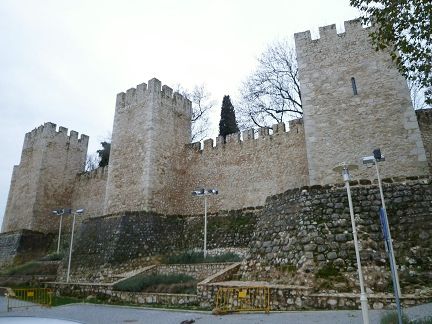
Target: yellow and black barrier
(28, 297)
(242, 299)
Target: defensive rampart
(424, 117)
(89, 192)
(246, 169)
(355, 100)
(44, 179)
(304, 229)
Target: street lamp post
(204, 193)
(344, 168)
(374, 159)
(76, 212)
(59, 212)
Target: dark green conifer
(228, 122)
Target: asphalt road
(88, 313)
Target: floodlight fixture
(58, 212)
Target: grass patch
(176, 284)
(392, 317)
(23, 269)
(64, 300)
(287, 268)
(30, 268)
(198, 257)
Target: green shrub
(178, 283)
(53, 257)
(198, 257)
(392, 318)
(327, 271)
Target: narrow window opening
(354, 86)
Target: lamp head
(376, 157)
(198, 192)
(79, 211)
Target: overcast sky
(65, 61)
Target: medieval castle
(354, 100)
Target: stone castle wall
(151, 127)
(153, 167)
(304, 229)
(341, 126)
(43, 180)
(424, 117)
(244, 171)
(89, 192)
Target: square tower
(355, 100)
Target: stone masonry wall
(424, 117)
(151, 127)
(21, 246)
(42, 181)
(343, 126)
(304, 229)
(199, 271)
(89, 192)
(244, 171)
(103, 243)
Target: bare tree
(418, 96)
(92, 162)
(201, 106)
(271, 94)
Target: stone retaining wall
(105, 292)
(21, 246)
(198, 271)
(302, 230)
(104, 245)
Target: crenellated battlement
(249, 135)
(155, 90)
(49, 130)
(101, 172)
(329, 32)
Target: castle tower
(354, 101)
(44, 179)
(151, 127)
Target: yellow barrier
(29, 297)
(242, 299)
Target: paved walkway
(104, 314)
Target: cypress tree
(228, 122)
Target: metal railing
(28, 297)
(242, 299)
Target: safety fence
(242, 299)
(28, 297)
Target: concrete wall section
(343, 126)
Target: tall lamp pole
(374, 159)
(76, 212)
(344, 169)
(204, 193)
(59, 212)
